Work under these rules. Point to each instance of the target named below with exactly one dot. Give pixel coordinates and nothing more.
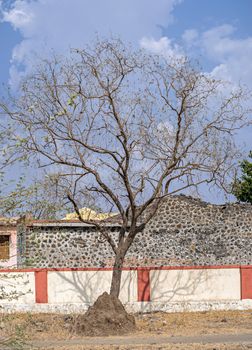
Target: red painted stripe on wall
(143, 285)
(193, 267)
(41, 293)
(246, 283)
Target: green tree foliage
(40, 198)
(243, 186)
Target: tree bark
(117, 273)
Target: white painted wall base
(169, 290)
(192, 306)
(135, 307)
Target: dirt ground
(46, 327)
(161, 347)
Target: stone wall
(185, 231)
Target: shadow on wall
(177, 285)
(15, 287)
(85, 286)
(192, 285)
(162, 286)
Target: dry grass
(196, 323)
(58, 327)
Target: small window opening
(4, 247)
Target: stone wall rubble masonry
(184, 232)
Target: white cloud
(218, 43)
(19, 16)
(61, 24)
(189, 36)
(231, 56)
(163, 46)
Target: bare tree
(127, 128)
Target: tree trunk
(117, 273)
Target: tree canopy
(124, 128)
(243, 187)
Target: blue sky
(218, 33)
(204, 14)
